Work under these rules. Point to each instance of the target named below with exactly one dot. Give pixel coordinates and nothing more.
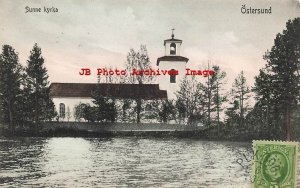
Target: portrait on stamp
(275, 164)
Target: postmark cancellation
(274, 164)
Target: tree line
(24, 91)
(274, 115)
(197, 101)
(24, 94)
(278, 85)
(276, 110)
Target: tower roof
(172, 40)
(172, 58)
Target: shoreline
(109, 130)
(139, 130)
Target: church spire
(172, 33)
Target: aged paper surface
(149, 93)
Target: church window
(62, 110)
(172, 77)
(173, 49)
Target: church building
(67, 95)
(172, 60)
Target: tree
(68, 113)
(282, 73)
(105, 108)
(258, 123)
(232, 114)
(241, 92)
(262, 88)
(49, 107)
(167, 111)
(100, 104)
(190, 97)
(10, 83)
(89, 113)
(78, 111)
(181, 110)
(111, 112)
(109, 78)
(126, 109)
(209, 87)
(22, 108)
(38, 86)
(213, 98)
(139, 61)
(218, 98)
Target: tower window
(173, 49)
(62, 110)
(173, 76)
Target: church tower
(172, 61)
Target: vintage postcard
(150, 93)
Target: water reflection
(121, 162)
(19, 160)
(65, 160)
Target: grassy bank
(83, 129)
(32, 131)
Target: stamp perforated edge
(278, 142)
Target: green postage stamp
(275, 164)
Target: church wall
(164, 80)
(70, 102)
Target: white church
(68, 95)
(172, 61)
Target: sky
(98, 33)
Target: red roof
(124, 91)
(171, 58)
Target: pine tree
(265, 99)
(89, 112)
(166, 111)
(232, 114)
(100, 105)
(10, 83)
(241, 92)
(282, 74)
(218, 98)
(190, 102)
(209, 87)
(111, 114)
(105, 108)
(38, 86)
(25, 106)
(213, 98)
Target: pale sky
(96, 33)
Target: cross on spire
(173, 33)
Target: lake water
(122, 162)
